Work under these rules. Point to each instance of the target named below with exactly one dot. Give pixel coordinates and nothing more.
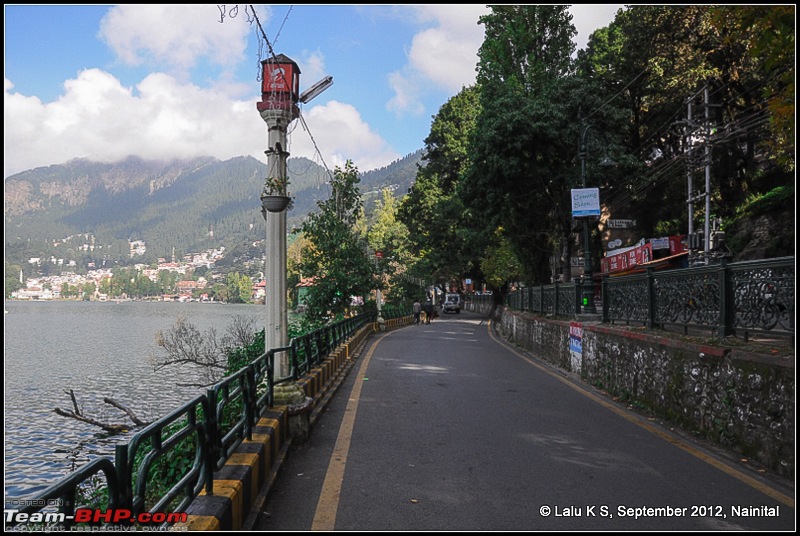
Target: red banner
(627, 259)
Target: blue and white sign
(576, 337)
(585, 202)
(576, 345)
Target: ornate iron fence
(558, 299)
(726, 299)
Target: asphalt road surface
(445, 427)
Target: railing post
(270, 378)
(651, 299)
(541, 299)
(604, 294)
(555, 299)
(250, 398)
(726, 309)
(212, 431)
(125, 486)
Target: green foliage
(239, 288)
(241, 356)
(167, 469)
(776, 200)
(336, 256)
(12, 276)
(500, 265)
(444, 240)
(523, 156)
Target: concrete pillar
(276, 332)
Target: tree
(336, 256)
(206, 357)
(523, 154)
(88, 290)
(500, 265)
(651, 59)
(239, 288)
(12, 279)
(388, 235)
(167, 281)
(767, 36)
(442, 235)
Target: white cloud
(99, 119)
(406, 94)
(339, 130)
(312, 67)
(443, 55)
(175, 35)
(163, 118)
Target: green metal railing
(168, 463)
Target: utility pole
(689, 170)
(694, 243)
(706, 230)
(278, 108)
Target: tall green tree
(12, 279)
(523, 156)
(239, 288)
(336, 254)
(389, 236)
(441, 234)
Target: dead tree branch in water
(77, 414)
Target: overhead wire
(749, 119)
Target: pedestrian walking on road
(417, 309)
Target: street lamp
(278, 107)
(587, 292)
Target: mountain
(84, 209)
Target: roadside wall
(737, 399)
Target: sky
(104, 82)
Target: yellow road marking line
(752, 482)
(328, 504)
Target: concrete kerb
(241, 487)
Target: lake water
(98, 350)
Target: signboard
(620, 224)
(627, 259)
(576, 346)
(576, 337)
(278, 78)
(585, 202)
(660, 243)
(677, 244)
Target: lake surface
(98, 350)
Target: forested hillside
(189, 205)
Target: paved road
(445, 427)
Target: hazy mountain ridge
(189, 205)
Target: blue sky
(166, 81)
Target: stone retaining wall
(741, 400)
